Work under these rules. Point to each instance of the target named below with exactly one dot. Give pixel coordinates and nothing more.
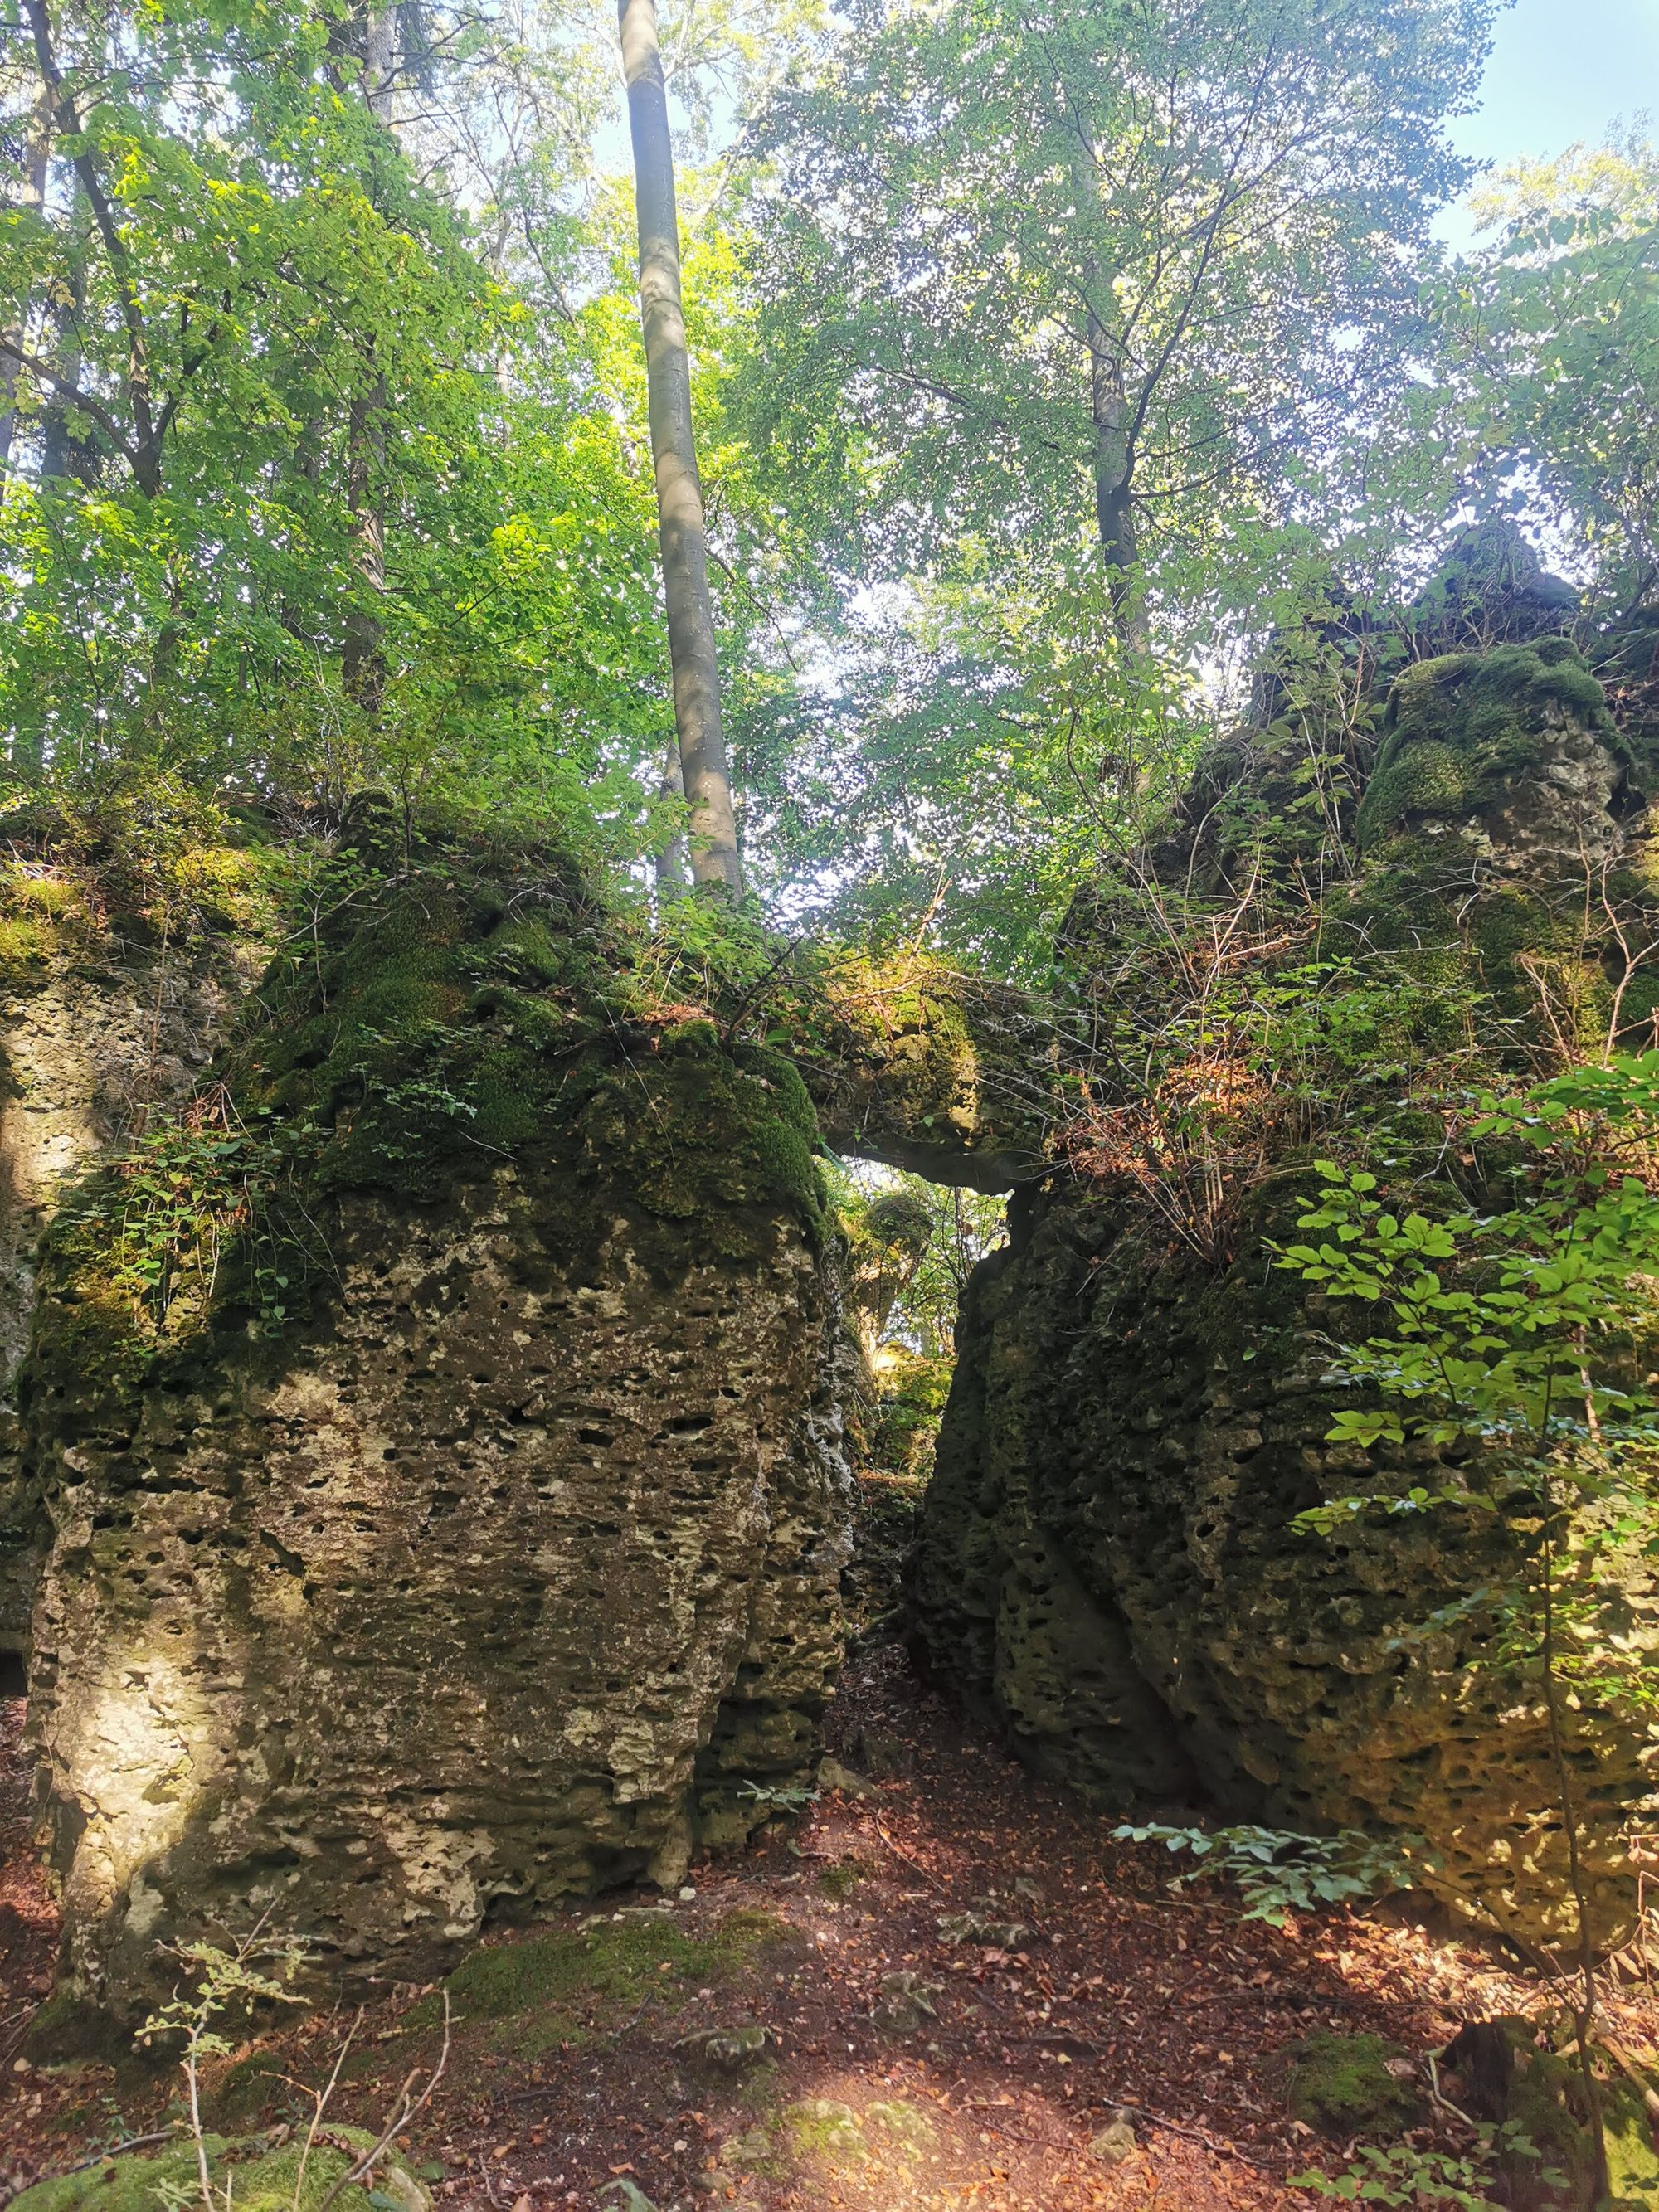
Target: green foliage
(1403, 2174)
(1278, 1872)
(1504, 2156)
(911, 1246)
(231, 1987)
(1059, 316)
(193, 1199)
(1507, 1328)
(928, 291)
(1514, 1347)
(304, 496)
(1551, 347)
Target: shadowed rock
(1108, 1565)
(469, 1532)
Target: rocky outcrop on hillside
(453, 1519)
(1108, 1564)
(948, 1076)
(100, 1030)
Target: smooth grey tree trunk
(37, 162)
(362, 666)
(672, 881)
(681, 528)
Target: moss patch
(827, 2132)
(572, 1986)
(1345, 2084)
(262, 2180)
(1633, 2161)
(1462, 726)
(442, 1021)
(839, 1882)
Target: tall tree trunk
(37, 162)
(681, 528)
(144, 452)
(669, 862)
(380, 63)
(62, 454)
(1114, 473)
(363, 669)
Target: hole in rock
(13, 1679)
(911, 1247)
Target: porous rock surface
(507, 1564)
(1107, 1564)
(97, 1032)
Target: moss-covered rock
(1353, 2085)
(1109, 1562)
(944, 1074)
(446, 1483)
(566, 1987)
(1514, 748)
(826, 2134)
(260, 2177)
(108, 1023)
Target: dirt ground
(938, 1988)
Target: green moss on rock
(615, 1960)
(1460, 728)
(1347, 2085)
(260, 2179)
(487, 1332)
(826, 2132)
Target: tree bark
(1114, 474)
(380, 63)
(143, 452)
(363, 669)
(37, 162)
(681, 531)
(669, 863)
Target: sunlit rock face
(508, 1564)
(96, 1034)
(1108, 1565)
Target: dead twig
(1628, 2066)
(319, 2103)
(899, 1851)
(405, 2109)
(115, 2150)
(1219, 2144)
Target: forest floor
(879, 2042)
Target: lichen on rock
(1110, 1564)
(110, 1014)
(469, 1535)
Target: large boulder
(447, 1504)
(105, 1022)
(1107, 1563)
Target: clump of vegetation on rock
(1351, 2085)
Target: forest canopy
(1043, 365)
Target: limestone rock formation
(947, 1075)
(465, 1531)
(100, 1030)
(1107, 1563)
